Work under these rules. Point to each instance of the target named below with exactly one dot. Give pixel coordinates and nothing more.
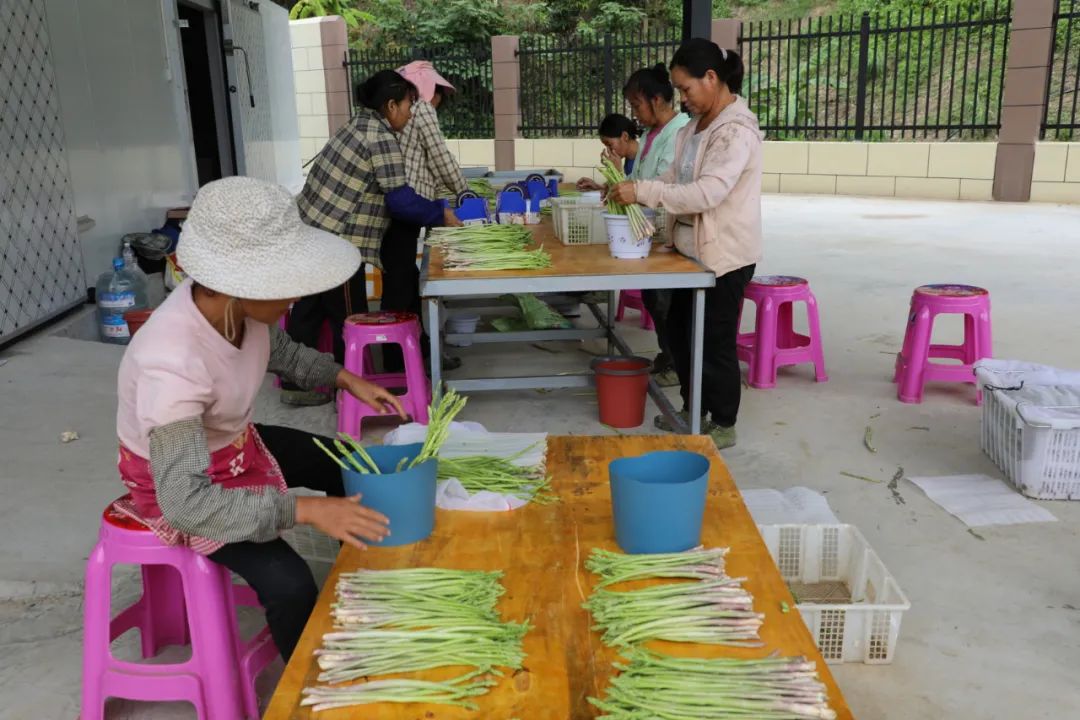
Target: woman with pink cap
(432, 171)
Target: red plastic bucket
(135, 319)
(621, 385)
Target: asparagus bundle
(639, 224)
(399, 621)
(500, 475)
(355, 458)
(693, 564)
(653, 685)
(713, 609)
(718, 612)
(488, 247)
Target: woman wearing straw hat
(356, 186)
(200, 473)
(432, 171)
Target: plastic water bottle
(129, 256)
(119, 291)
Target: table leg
(435, 333)
(612, 299)
(696, 361)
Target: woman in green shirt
(651, 97)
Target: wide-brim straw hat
(244, 237)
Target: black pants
(308, 314)
(280, 577)
(721, 381)
(658, 303)
(401, 281)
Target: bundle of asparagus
(639, 224)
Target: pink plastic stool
(632, 299)
(913, 367)
(774, 343)
(379, 328)
(326, 345)
(186, 598)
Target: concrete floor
(994, 628)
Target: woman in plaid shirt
(355, 187)
(432, 171)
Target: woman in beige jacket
(712, 193)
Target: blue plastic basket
(658, 500)
(407, 498)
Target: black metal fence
(914, 74)
(468, 113)
(1061, 119)
(568, 84)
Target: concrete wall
(943, 171)
(322, 94)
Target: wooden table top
(542, 549)
(570, 261)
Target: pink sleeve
(726, 157)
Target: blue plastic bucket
(407, 497)
(658, 500)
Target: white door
(258, 58)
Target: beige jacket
(725, 197)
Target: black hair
(650, 83)
(697, 56)
(614, 125)
(382, 87)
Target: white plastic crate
(1036, 445)
(578, 221)
(847, 598)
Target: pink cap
(422, 74)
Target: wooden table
(574, 269)
(542, 550)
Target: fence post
(726, 32)
(609, 61)
(1027, 70)
(506, 84)
(861, 80)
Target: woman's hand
(370, 394)
(625, 193)
(587, 184)
(607, 154)
(343, 518)
(450, 218)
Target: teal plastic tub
(658, 500)
(407, 497)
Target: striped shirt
(430, 168)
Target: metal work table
(574, 268)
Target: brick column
(506, 81)
(725, 33)
(319, 46)
(1026, 70)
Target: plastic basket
(847, 598)
(1041, 458)
(578, 221)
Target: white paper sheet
(981, 500)
(469, 438)
(794, 506)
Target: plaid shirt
(347, 184)
(429, 166)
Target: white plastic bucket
(621, 240)
(463, 324)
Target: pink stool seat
(379, 328)
(632, 299)
(773, 343)
(914, 368)
(187, 599)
